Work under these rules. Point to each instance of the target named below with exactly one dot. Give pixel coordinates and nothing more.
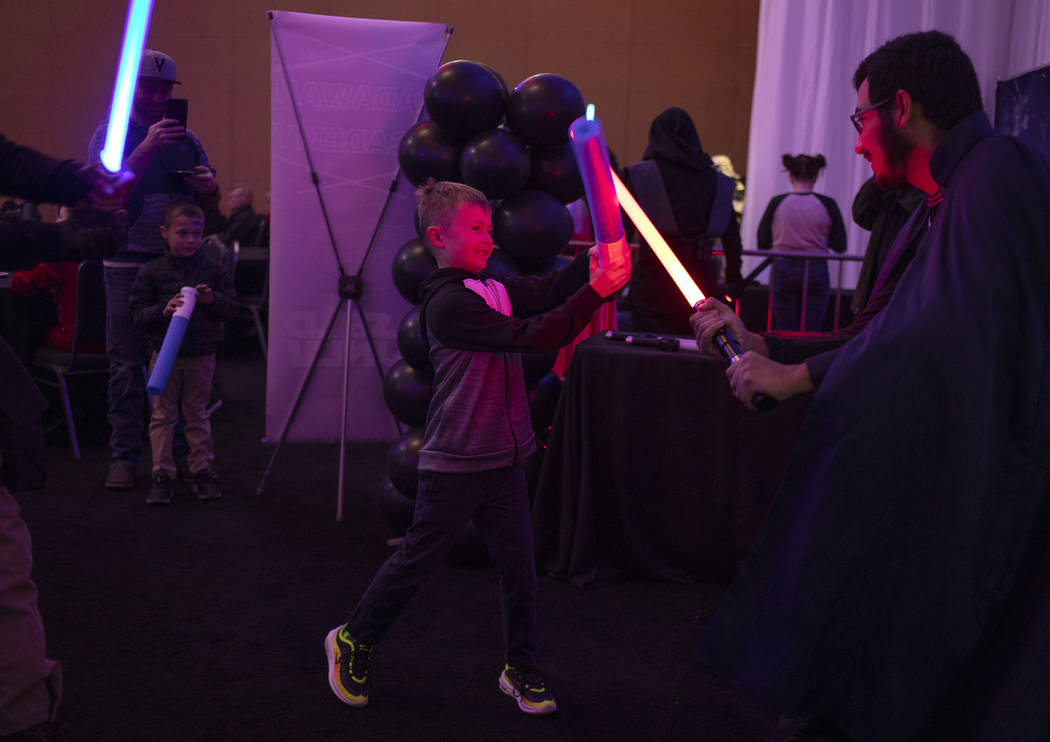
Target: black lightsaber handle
(730, 348)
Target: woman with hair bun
(807, 223)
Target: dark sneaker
(348, 667)
(528, 687)
(206, 485)
(162, 491)
(121, 475)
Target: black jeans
(498, 503)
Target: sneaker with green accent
(349, 662)
(528, 688)
(162, 491)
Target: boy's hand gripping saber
(728, 345)
(169, 349)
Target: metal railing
(841, 259)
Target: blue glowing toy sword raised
(135, 28)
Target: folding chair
(253, 288)
(89, 333)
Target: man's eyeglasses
(855, 116)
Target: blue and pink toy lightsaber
(592, 157)
(136, 26)
(169, 349)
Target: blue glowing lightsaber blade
(135, 28)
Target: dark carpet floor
(205, 621)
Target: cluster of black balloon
(513, 147)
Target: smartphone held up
(177, 108)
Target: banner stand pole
(349, 291)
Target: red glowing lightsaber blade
(666, 256)
(727, 344)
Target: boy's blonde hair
(438, 201)
(181, 207)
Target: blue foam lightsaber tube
(136, 27)
(592, 157)
(169, 349)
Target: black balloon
(532, 227)
(541, 108)
(412, 264)
(407, 393)
(428, 152)
(496, 163)
(464, 98)
(543, 399)
(555, 171)
(502, 265)
(559, 261)
(410, 342)
(402, 462)
(395, 508)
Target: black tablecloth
(654, 468)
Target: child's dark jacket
(477, 327)
(162, 278)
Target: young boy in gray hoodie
(478, 433)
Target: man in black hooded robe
(900, 589)
(691, 203)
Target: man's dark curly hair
(932, 67)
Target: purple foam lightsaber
(169, 349)
(135, 28)
(592, 157)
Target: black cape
(901, 583)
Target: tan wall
(632, 58)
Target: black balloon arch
(513, 147)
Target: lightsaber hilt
(730, 349)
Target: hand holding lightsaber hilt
(732, 351)
(169, 349)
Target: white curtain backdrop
(358, 85)
(803, 95)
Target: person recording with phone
(169, 163)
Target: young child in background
(478, 433)
(154, 298)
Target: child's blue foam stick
(169, 349)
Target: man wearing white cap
(169, 163)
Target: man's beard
(895, 151)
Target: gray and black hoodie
(477, 326)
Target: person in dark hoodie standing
(691, 203)
(155, 296)
(478, 433)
